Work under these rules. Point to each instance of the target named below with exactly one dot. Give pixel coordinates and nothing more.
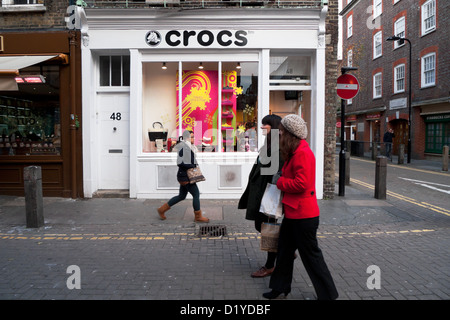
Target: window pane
(30, 117)
(125, 70)
(116, 71)
(104, 70)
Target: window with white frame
(377, 8)
(428, 16)
(399, 75)
(350, 58)
(22, 2)
(349, 26)
(399, 31)
(428, 77)
(377, 85)
(377, 45)
(114, 71)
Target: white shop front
(234, 67)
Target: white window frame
(377, 8)
(428, 70)
(349, 26)
(399, 31)
(399, 78)
(377, 43)
(377, 85)
(428, 13)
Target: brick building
(287, 51)
(383, 72)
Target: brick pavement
(125, 252)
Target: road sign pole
(342, 153)
(348, 87)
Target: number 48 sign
(116, 116)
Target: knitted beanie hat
(295, 125)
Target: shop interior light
(238, 66)
(200, 66)
(164, 67)
(30, 79)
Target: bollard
(347, 168)
(445, 158)
(380, 177)
(401, 154)
(34, 207)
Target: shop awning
(10, 66)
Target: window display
(30, 117)
(217, 101)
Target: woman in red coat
(301, 215)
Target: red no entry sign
(347, 86)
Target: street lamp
(401, 41)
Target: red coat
(298, 182)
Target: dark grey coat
(252, 196)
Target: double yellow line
(405, 198)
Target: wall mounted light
(30, 79)
(164, 67)
(200, 66)
(238, 66)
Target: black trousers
(301, 234)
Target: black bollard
(34, 207)
(380, 177)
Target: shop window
(436, 133)
(217, 101)
(114, 71)
(30, 117)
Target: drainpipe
(73, 117)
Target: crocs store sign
(194, 38)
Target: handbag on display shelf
(195, 175)
(270, 233)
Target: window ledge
(17, 8)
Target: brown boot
(199, 217)
(162, 210)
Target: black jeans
(301, 234)
(192, 189)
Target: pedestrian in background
(251, 198)
(387, 139)
(185, 160)
(301, 215)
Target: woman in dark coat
(257, 181)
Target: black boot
(274, 294)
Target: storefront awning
(10, 66)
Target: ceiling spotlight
(238, 66)
(200, 66)
(164, 67)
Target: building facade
(150, 73)
(383, 73)
(114, 127)
(40, 97)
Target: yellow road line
(405, 198)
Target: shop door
(400, 128)
(114, 135)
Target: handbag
(270, 233)
(195, 175)
(271, 202)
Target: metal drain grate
(212, 231)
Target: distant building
(383, 72)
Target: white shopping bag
(271, 202)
